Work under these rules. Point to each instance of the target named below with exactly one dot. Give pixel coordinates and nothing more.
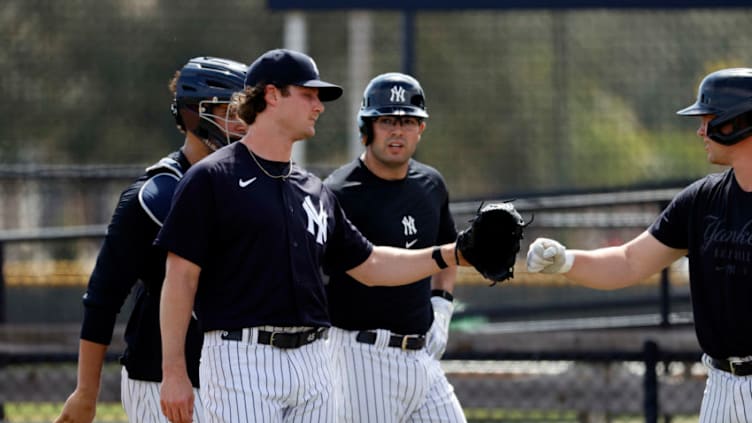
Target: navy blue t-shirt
(260, 242)
(712, 219)
(408, 213)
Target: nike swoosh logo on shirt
(351, 184)
(409, 244)
(245, 183)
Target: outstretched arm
(603, 268)
(390, 266)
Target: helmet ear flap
(366, 129)
(730, 130)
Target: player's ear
(270, 93)
(421, 128)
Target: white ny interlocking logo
(409, 223)
(398, 94)
(315, 218)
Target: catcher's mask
(205, 82)
(727, 94)
(390, 94)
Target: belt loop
(249, 335)
(382, 338)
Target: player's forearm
(90, 361)
(605, 268)
(624, 265)
(173, 329)
(445, 279)
(389, 266)
(618, 267)
(175, 309)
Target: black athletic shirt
(260, 242)
(408, 213)
(712, 218)
(127, 256)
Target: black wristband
(443, 294)
(436, 254)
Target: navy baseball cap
(288, 67)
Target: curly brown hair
(250, 102)
(173, 84)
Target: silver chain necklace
(283, 177)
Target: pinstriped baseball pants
(242, 381)
(382, 384)
(727, 398)
(141, 401)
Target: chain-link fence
(525, 387)
(534, 349)
(520, 100)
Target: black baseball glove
(492, 241)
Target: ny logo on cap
(398, 94)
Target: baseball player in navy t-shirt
(711, 223)
(247, 236)
(382, 331)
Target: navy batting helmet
(727, 94)
(391, 94)
(203, 83)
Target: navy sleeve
(348, 247)
(447, 227)
(187, 228)
(670, 228)
(124, 251)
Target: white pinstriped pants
(382, 384)
(727, 398)
(242, 381)
(141, 401)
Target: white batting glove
(438, 334)
(548, 256)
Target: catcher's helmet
(203, 83)
(727, 94)
(395, 94)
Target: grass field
(45, 412)
(35, 412)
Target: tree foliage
(519, 101)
